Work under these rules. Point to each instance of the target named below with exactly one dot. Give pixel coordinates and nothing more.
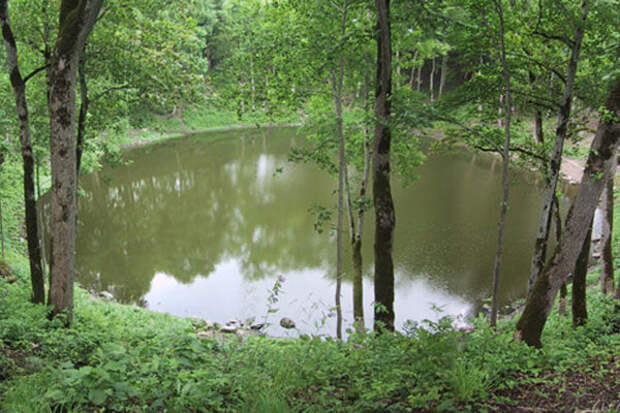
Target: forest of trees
(517, 78)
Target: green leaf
(97, 396)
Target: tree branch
(109, 90)
(562, 39)
(35, 72)
(519, 149)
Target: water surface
(204, 225)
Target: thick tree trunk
(385, 219)
(542, 295)
(540, 245)
(76, 21)
(607, 259)
(19, 92)
(505, 164)
(580, 312)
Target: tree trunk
(542, 295)
(557, 218)
(1, 219)
(540, 245)
(341, 167)
(538, 126)
(580, 312)
(444, 73)
(419, 77)
(84, 104)
(2, 231)
(385, 219)
(607, 259)
(562, 303)
(337, 84)
(357, 233)
(398, 69)
(75, 23)
(413, 71)
(431, 81)
(505, 164)
(538, 120)
(19, 91)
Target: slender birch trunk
(538, 258)
(19, 92)
(505, 164)
(444, 73)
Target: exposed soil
(573, 391)
(572, 169)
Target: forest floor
(594, 390)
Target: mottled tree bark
(542, 295)
(385, 219)
(505, 164)
(75, 23)
(607, 259)
(580, 311)
(19, 91)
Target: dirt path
(572, 169)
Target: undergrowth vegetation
(122, 358)
(118, 358)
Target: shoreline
(174, 134)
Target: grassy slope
(120, 358)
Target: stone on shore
(287, 323)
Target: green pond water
(204, 225)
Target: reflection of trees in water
(181, 210)
(184, 206)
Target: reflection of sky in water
(203, 229)
(306, 297)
